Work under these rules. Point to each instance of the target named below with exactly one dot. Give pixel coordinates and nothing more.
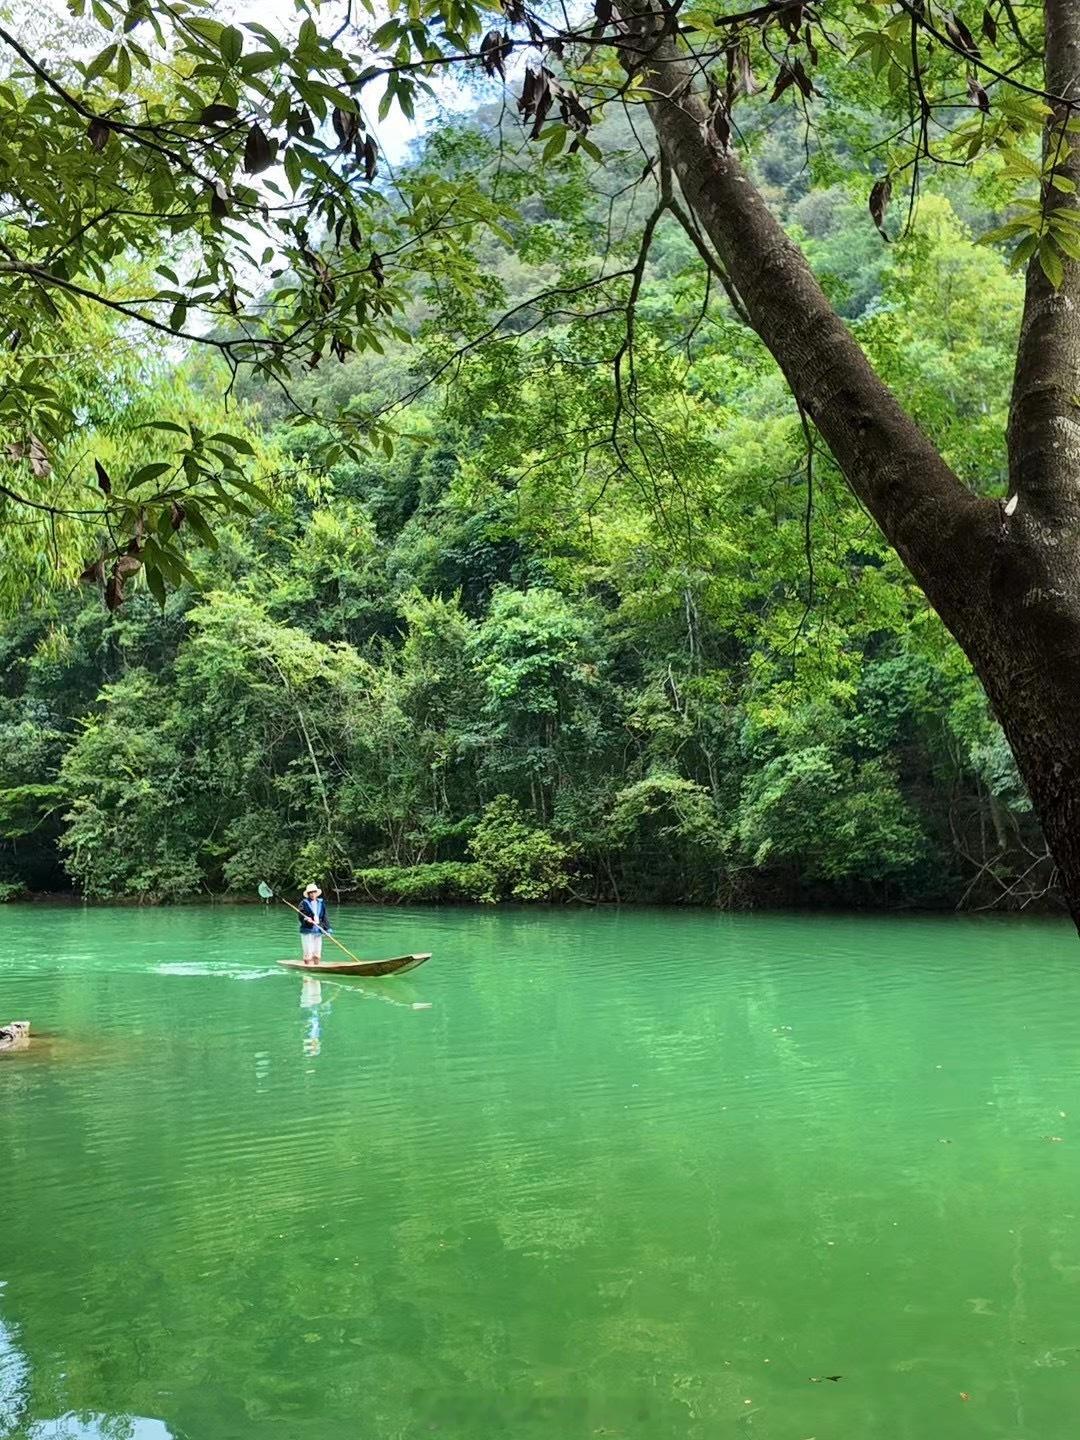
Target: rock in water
(14, 1035)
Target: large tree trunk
(1005, 578)
(1029, 660)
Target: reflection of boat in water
(312, 994)
(395, 965)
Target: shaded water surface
(638, 1174)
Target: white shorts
(311, 944)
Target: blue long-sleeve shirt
(313, 916)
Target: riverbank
(1049, 906)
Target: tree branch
(52, 510)
(140, 133)
(940, 529)
(918, 13)
(47, 278)
(712, 263)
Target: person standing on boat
(314, 924)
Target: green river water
(620, 1174)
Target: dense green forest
(510, 655)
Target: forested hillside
(512, 654)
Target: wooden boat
(395, 965)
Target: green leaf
(266, 36)
(164, 558)
(1008, 231)
(258, 61)
(179, 565)
(231, 44)
(197, 520)
(155, 584)
(123, 69)
(217, 114)
(206, 29)
(148, 473)
(1021, 164)
(1051, 262)
(1023, 252)
(554, 145)
(249, 488)
(101, 62)
(1068, 242)
(293, 169)
(386, 35)
(235, 442)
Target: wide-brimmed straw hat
(312, 886)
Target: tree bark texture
(1004, 577)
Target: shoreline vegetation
(450, 670)
(1048, 908)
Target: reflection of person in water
(311, 999)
